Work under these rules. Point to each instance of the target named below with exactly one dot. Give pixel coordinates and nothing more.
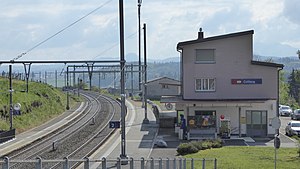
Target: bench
(202, 134)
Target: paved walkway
(139, 138)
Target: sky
(25, 24)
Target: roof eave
(180, 44)
(270, 64)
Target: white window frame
(206, 84)
(205, 61)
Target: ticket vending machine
(224, 128)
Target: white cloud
(294, 44)
(26, 23)
(264, 10)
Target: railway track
(76, 140)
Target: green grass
(249, 157)
(42, 103)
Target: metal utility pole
(10, 98)
(131, 81)
(45, 77)
(139, 27)
(122, 67)
(55, 78)
(74, 77)
(146, 120)
(99, 76)
(67, 88)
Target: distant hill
(169, 67)
(289, 63)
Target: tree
(284, 92)
(293, 86)
(298, 53)
(284, 96)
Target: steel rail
(90, 140)
(97, 145)
(63, 131)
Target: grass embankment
(42, 103)
(249, 157)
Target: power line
(70, 25)
(114, 45)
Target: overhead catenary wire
(114, 45)
(62, 30)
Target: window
(205, 84)
(164, 86)
(202, 119)
(205, 56)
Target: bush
(186, 148)
(206, 145)
(217, 143)
(195, 146)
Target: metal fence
(130, 163)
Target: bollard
(142, 163)
(152, 163)
(131, 163)
(118, 163)
(180, 163)
(6, 163)
(87, 163)
(103, 163)
(192, 163)
(168, 163)
(66, 163)
(174, 163)
(38, 163)
(160, 163)
(184, 163)
(203, 163)
(215, 167)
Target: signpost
(276, 123)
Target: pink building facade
(221, 81)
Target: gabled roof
(159, 78)
(200, 40)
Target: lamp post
(122, 66)
(146, 120)
(68, 101)
(139, 27)
(10, 98)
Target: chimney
(200, 34)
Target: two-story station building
(220, 80)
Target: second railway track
(76, 140)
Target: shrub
(197, 144)
(217, 143)
(206, 144)
(186, 148)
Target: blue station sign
(246, 81)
